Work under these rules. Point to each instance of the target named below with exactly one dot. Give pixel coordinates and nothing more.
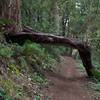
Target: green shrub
(17, 50)
(32, 48)
(5, 51)
(13, 68)
(40, 56)
(23, 63)
(96, 73)
(49, 62)
(96, 87)
(4, 96)
(19, 93)
(39, 79)
(8, 85)
(37, 97)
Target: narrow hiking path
(68, 83)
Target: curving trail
(68, 83)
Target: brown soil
(68, 83)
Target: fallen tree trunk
(83, 48)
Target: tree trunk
(83, 48)
(57, 17)
(10, 10)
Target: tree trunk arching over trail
(83, 48)
(10, 9)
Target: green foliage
(18, 61)
(23, 63)
(80, 66)
(37, 97)
(49, 62)
(17, 50)
(13, 68)
(5, 51)
(96, 73)
(41, 19)
(96, 87)
(39, 79)
(39, 55)
(19, 93)
(55, 51)
(5, 96)
(8, 85)
(32, 49)
(3, 23)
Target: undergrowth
(22, 65)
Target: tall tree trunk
(57, 17)
(10, 10)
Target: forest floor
(67, 83)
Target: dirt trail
(68, 83)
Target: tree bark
(10, 10)
(57, 17)
(83, 48)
